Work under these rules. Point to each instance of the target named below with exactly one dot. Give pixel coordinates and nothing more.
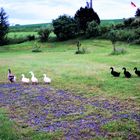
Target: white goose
(33, 79)
(24, 79)
(46, 79)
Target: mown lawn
(83, 100)
(87, 74)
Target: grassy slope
(30, 27)
(87, 74)
(113, 21)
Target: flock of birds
(127, 74)
(34, 80)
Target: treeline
(127, 31)
(85, 23)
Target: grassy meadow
(83, 101)
(87, 74)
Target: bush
(31, 37)
(136, 23)
(92, 30)
(79, 49)
(17, 40)
(127, 22)
(44, 34)
(65, 27)
(118, 51)
(36, 47)
(136, 41)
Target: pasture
(83, 94)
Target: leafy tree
(137, 13)
(85, 15)
(64, 27)
(113, 37)
(4, 26)
(128, 22)
(93, 29)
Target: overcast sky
(43, 11)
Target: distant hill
(30, 27)
(111, 21)
(35, 27)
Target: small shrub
(31, 37)
(118, 51)
(44, 34)
(36, 48)
(80, 50)
(137, 41)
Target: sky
(43, 11)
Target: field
(83, 100)
(108, 22)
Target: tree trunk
(114, 47)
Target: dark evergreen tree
(64, 27)
(4, 26)
(85, 15)
(137, 13)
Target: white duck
(33, 79)
(11, 77)
(46, 79)
(24, 79)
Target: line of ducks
(127, 74)
(34, 80)
(47, 80)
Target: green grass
(86, 74)
(20, 34)
(122, 127)
(29, 27)
(8, 130)
(113, 21)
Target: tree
(93, 29)
(113, 37)
(4, 26)
(85, 15)
(44, 34)
(137, 13)
(64, 27)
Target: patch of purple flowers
(47, 109)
